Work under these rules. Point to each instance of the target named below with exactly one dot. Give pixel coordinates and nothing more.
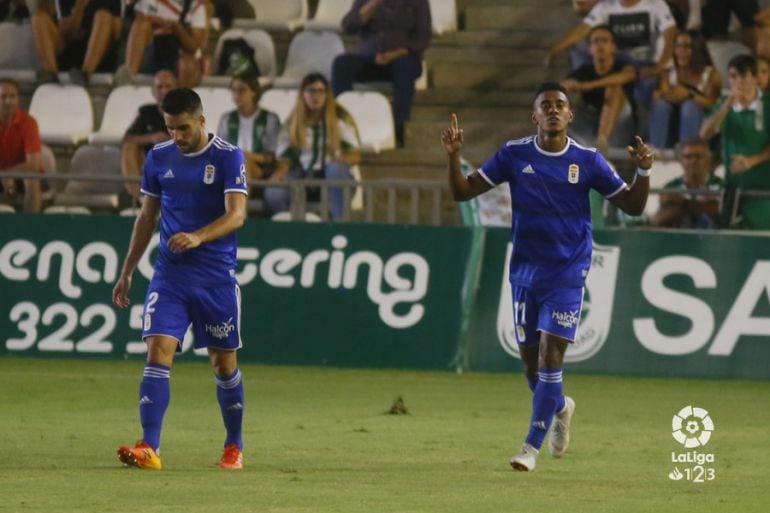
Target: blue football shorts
(214, 311)
(551, 310)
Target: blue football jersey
(192, 189)
(551, 226)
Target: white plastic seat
(310, 51)
(310, 217)
(443, 15)
(64, 114)
(66, 209)
(119, 112)
(17, 51)
(276, 15)
(280, 101)
(264, 54)
(130, 212)
(93, 160)
(329, 14)
(374, 119)
(216, 101)
(7, 209)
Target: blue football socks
(154, 396)
(548, 396)
(230, 397)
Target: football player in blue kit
(549, 176)
(196, 184)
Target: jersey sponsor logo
(528, 170)
(220, 331)
(596, 317)
(169, 174)
(208, 174)
(566, 319)
(574, 173)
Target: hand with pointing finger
(452, 137)
(641, 153)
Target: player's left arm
(633, 199)
(231, 220)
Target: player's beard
(191, 147)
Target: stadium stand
(443, 14)
(17, 53)
(374, 119)
(93, 159)
(64, 113)
(264, 54)
(216, 101)
(309, 51)
(119, 112)
(328, 15)
(287, 15)
(280, 101)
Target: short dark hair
(743, 64)
(10, 82)
(182, 101)
(693, 141)
(601, 27)
(550, 86)
(250, 79)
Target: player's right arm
(144, 226)
(463, 188)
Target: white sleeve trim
(486, 178)
(227, 191)
(148, 193)
(624, 186)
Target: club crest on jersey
(574, 173)
(208, 174)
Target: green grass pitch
(317, 440)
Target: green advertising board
(656, 303)
(319, 294)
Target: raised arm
(463, 188)
(633, 200)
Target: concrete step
(457, 97)
(491, 76)
(560, 18)
(522, 39)
(422, 134)
(462, 54)
(466, 112)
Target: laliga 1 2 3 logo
(692, 427)
(596, 316)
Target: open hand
(183, 241)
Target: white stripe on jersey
(523, 140)
(222, 144)
(163, 144)
(578, 145)
(486, 178)
(148, 193)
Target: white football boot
(525, 460)
(559, 439)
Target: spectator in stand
(393, 34)
(742, 116)
(688, 90)
(13, 10)
(252, 129)
(605, 113)
(147, 130)
(319, 140)
(688, 210)
(716, 15)
(763, 73)
(19, 148)
(166, 34)
(637, 25)
(81, 36)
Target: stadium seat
(98, 160)
(7, 209)
(443, 14)
(264, 54)
(276, 15)
(328, 15)
(130, 212)
(310, 217)
(64, 114)
(216, 101)
(66, 209)
(119, 112)
(17, 52)
(662, 173)
(374, 119)
(309, 52)
(721, 52)
(280, 101)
